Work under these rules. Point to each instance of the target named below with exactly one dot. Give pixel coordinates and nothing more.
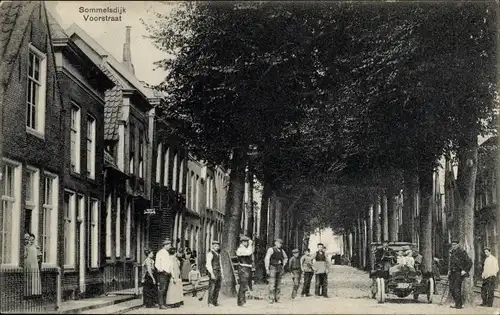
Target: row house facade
(92, 172)
(32, 153)
(127, 165)
(187, 194)
(83, 96)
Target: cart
(402, 283)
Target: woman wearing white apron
(175, 294)
(33, 281)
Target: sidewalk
(117, 300)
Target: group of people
(460, 265)
(307, 265)
(161, 277)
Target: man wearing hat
(274, 261)
(320, 266)
(296, 271)
(214, 268)
(244, 253)
(162, 265)
(460, 265)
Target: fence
(28, 290)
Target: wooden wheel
(380, 290)
(430, 293)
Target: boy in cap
(244, 253)
(214, 268)
(306, 264)
(296, 271)
(163, 265)
(194, 278)
(321, 269)
(274, 261)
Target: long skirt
(149, 292)
(175, 296)
(186, 268)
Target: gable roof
(124, 75)
(14, 20)
(55, 28)
(112, 109)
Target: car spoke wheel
(380, 290)
(431, 287)
(374, 288)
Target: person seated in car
(384, 256)
(404, 258)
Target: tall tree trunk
(250, 218)
(392, 210)
(385, 218)
(232, 219)
(426, 206)
(361, 242)
(378, 224)
(408, 207)
(272, 216)
(369, 239)
(278, 218)
(466, 185)
(264, 205)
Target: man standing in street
(460, 265)
(162, 264)
(306, 263)
(214, 268)
(296, 271)
(320, 266)
(490, 271)
(244, 253)
(275, 261)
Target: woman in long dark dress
(149, 293)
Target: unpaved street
(349, 294)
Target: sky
(111, 35)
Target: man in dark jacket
(275, 261)
(460, 266)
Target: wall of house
(22, 150)
(80, 92)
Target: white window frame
(141, 157)
(158, 162)
(132, 150)
(174, 176)
(128, 230)
(108, 224)
(69, 260)
(76, 131)
(39, 120)
(118, 249)
(91, 146)
(50, 259)
(93, 233)
(33, 204)
(15, 216)
(166, 164)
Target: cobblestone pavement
(349, 291)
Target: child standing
(296, 270)
(194, 278)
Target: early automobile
(403, 282)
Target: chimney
(127, 55)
